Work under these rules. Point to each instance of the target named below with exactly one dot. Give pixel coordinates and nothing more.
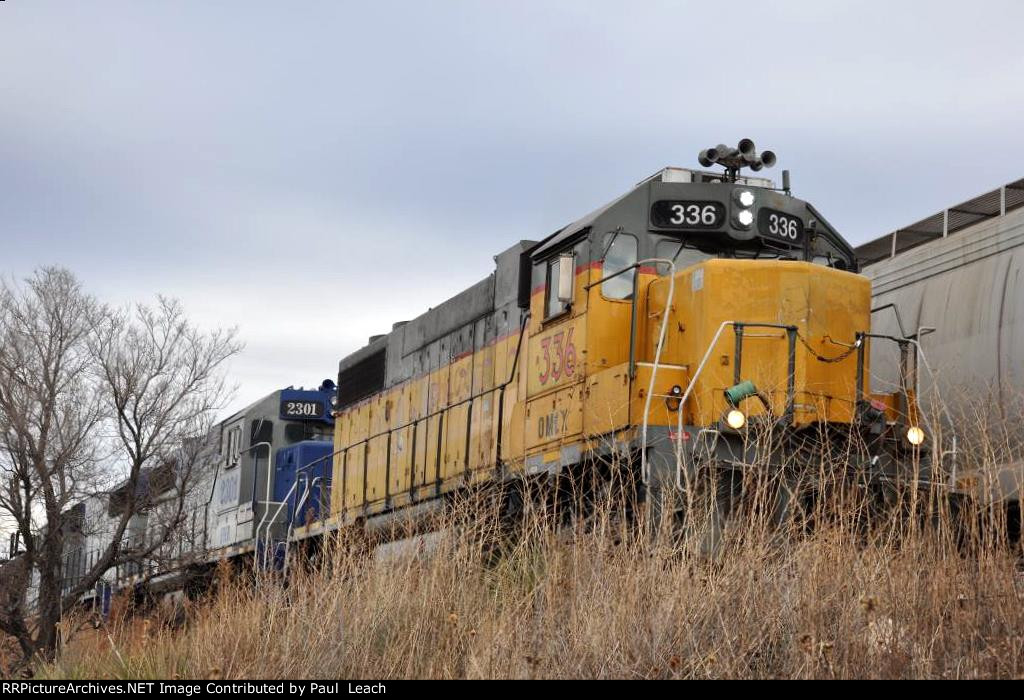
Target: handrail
(896, 311)
(644, 476)
(291, 522)
(791, 332)
(921, 359)
(499, 388)
(448, 407)
(270, 522)
(306, 495)
(305, 480)
(738, 325)
(281, 504)
(686, 395)
(904, 371)
(428, 416)
(634, 266)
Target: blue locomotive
(260, 473)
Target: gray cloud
(314, 172)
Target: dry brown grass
(599, 600)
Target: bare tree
(164, 383)
(50, 409)
(90, 397)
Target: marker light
(675, 398)
(745, 217)
(915, 436)
(745, 198)
(735, 419)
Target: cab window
(620, 254)
(677, 252)
(827, 254)
(552, 305)
(233, 446)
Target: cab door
(609, 330)
(554, 367)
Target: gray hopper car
(956, 281)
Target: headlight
(745, 217)
(915, 435)
(745, 198)
(735, 419)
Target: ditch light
(735, 418)
(915, 435)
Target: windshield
(621, 252)
(679, 252)
(685, 253)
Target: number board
(780, 226)
(302, 409)
(670, 213)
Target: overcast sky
(312, 172)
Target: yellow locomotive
(664, 328)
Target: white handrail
(686, 395)
(282, 504)
(919, 359)
(270, 521)
(291, 524)
(644, 476)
